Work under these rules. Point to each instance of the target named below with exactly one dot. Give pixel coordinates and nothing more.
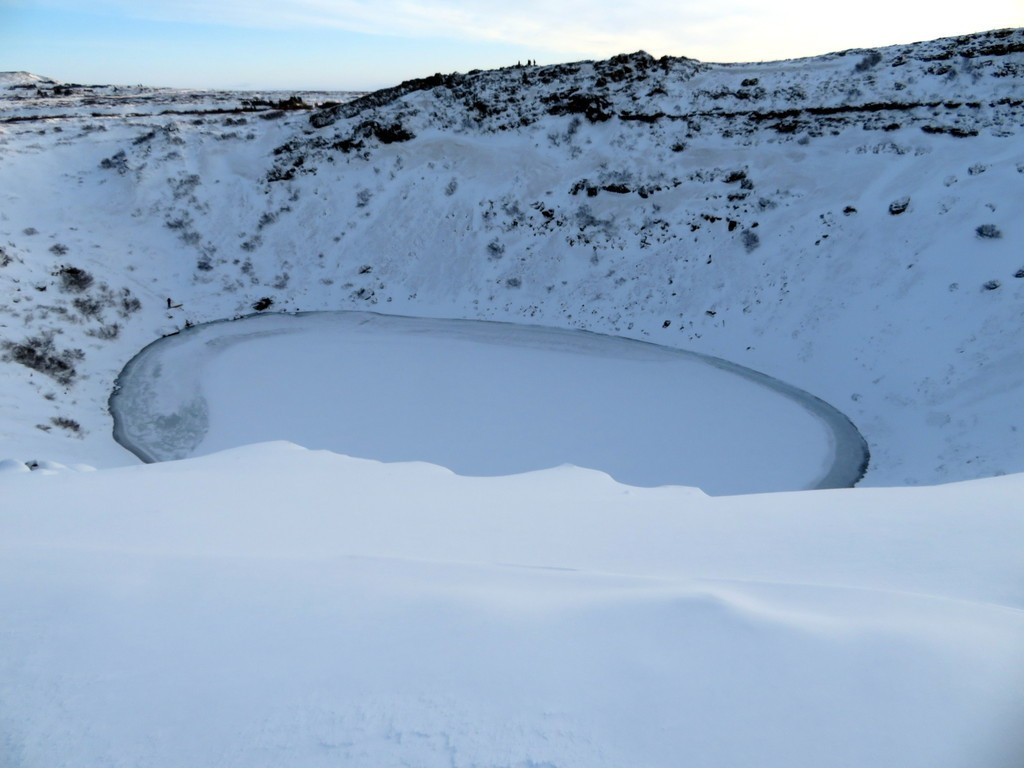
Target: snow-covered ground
(271, 606)
(849, 225)
(30, 98)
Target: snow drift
(272, 606)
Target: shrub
(750, 240)
(65, 423)
(128, 304)
(73, 279)
(40, 354)
(117, 162)
(990, 231)
(181, 222)
(106, 332)
(88, 306)
(291, 103)
(365, 294)
(392, 133)
(595, 108)
(991, 285)
(184, 186)
(280, 174)
(495, 250)
(870, 60)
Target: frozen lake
(480, 398)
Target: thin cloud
(737, 30)
(572, 26)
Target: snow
(887, 318)
(270, 606)
(273, 605)
(22, 79)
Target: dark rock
(896, 207)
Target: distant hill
(9, 79)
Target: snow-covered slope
(24, 80)
(848, 223)
(30, 98)
(271, 606)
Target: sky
(366, 44)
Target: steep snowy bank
(849, 224)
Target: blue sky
(362, 44)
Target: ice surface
(480, 399)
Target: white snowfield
(848, 225)
(271, 606)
